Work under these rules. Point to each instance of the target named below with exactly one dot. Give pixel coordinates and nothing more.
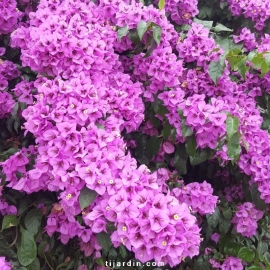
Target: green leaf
(191, 145)
(41, 248)
(35, 265)
(9, 221)
(104, 240)
(254, 268)
(223, 5)
(262, 247)
(161, 4)
(213, 219)
(216, 70)
(201, 264)
(257, 61)
(140, 151)
(133, 36)
(232, 124)
(224, 225)
(86, 197)
(158, 106)
(264, 68)
(242, 67)
(112, 254)
(180, 165)
(173, 134)
(157, 33)
(206, 24)
(266, 256)
(6, 154)
(5, 249)
(122, 32)
(204, 12)
(166, 131)
(246, 254)
(142, 28)
(256, 198)
(221, 28)
(15, 109)
(232, 249)
(186, 130)
(151, 49)
(267, 59)
(227, 213)
(200, 157)
(251, 55)
(233, 145)
(99, 261)
(32, 221)
(27, 251)
(123, 251)
(153, 145)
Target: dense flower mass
(246, 219)
(9, 16)
(257, 11)
(8, 71)
(198, 196)
(232, 263)
(132, 119)
(182, 11)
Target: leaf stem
(16, 237)
(47, 261)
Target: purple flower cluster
(77, 118)
(207, 120)
(197, 46)
(162, 69)
(7, 209)
(4, 265)
(24, 91)
(8, 71)
(248, 38)
(234, 193)
(182, 11)
(17, 163)
(232, 263)
(257, 11)
(77, 124)
(198, 196)
(9, 16)
(246, 219)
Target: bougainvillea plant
(134, 134)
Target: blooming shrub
(134, 130)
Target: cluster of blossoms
(234, 193)
(78, 116)
(4, 264)
(248, 38)
(230, 263)
(77, 124)
(182, 11)
(198, 196)
(24, 90)
(8, 71)
(246, 219)
(9, 16)
(162, 69)
(197, 46)
(257, 11)
(7, 209)
(17, 164)
(208, 120)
